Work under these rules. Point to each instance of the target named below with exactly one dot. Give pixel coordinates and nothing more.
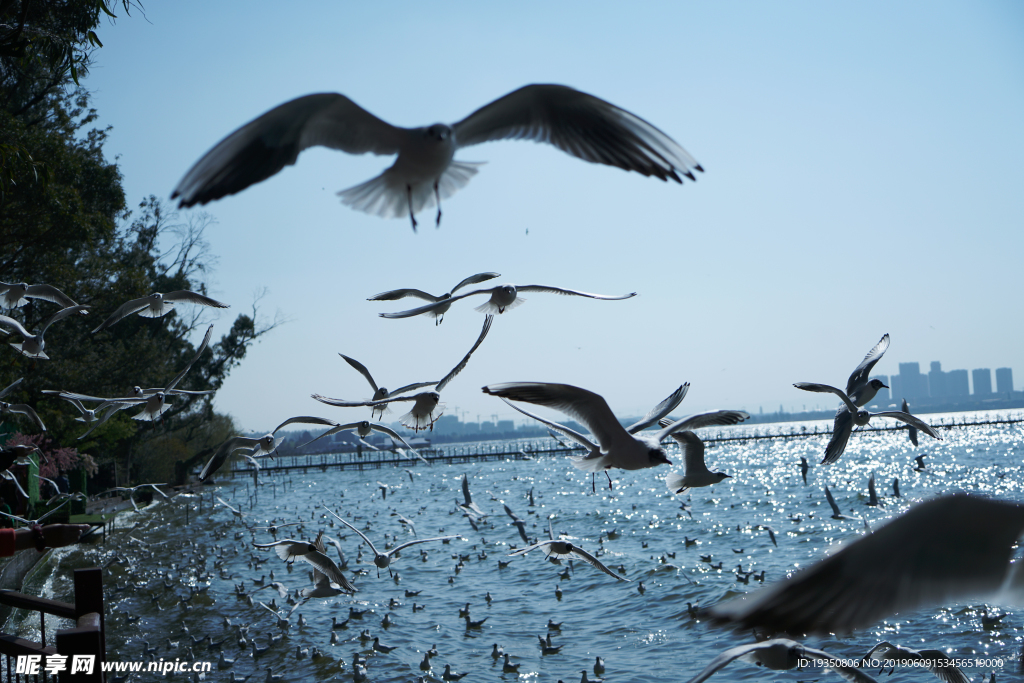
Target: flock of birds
(890, 564)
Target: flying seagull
(779, 654)
(885, 654)
(500, 299)
(861, 389)
(427, 406)
(696, 473)
(912, 433)
(616, 446)
(290, 550)
(363, 429)
(426, 171)
(32, 345)
(946, 550)
(437, 313)
(861, 417)
(16, 294)
(383, 560)
(265, 445)
(157, 305)
(18, 408)
(380, 393)
(562, 549)
(154, 401)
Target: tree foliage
(64, 222)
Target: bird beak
(886, 386)
(727, 476)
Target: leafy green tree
(64, 222)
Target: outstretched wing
(199, 352)
(911, 420)
(661, 410)
(579, 124)
(264, 146)
(826, 389)
(572, 292)
(361, 369)
(860, 376)
(473, 280)
(462, 364)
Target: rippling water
(638, 525)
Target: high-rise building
(957, 384)
(937, 381)
(913, 385)
(895, 387)
(1004, 380)
(982, 378)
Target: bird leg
(408, 193)
(593, 486)
(437, 196)
(609, 479)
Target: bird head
(877, 384)
(722, 475)
(439, 132)
(657, 457)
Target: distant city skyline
(938, 385)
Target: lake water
(639, 526)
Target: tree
(63, 222)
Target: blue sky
(863, 176)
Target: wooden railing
(88, 637)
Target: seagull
(912, 433)
(425, 171)
(779, 654)
(946, 550)
(468, 506)
(19, 408)
(861, 417)
(32, 345)
(290, 550)
(265, 445)
(16, 295)
(383, 560)
(563, 549)
(7, 409)
(90, 417)
(154, 400)
(157, 305)
(131, 492)
(616, 446)
(323, 587)
(836, 512)
(886, 654)
(363, 429)
(500, 298)
(518, 523)
(381, 392)
(696, 473)
(437, 313)
(861, 390)
(31, 522)
(11, 454)
(427, 406)
(449, 676)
